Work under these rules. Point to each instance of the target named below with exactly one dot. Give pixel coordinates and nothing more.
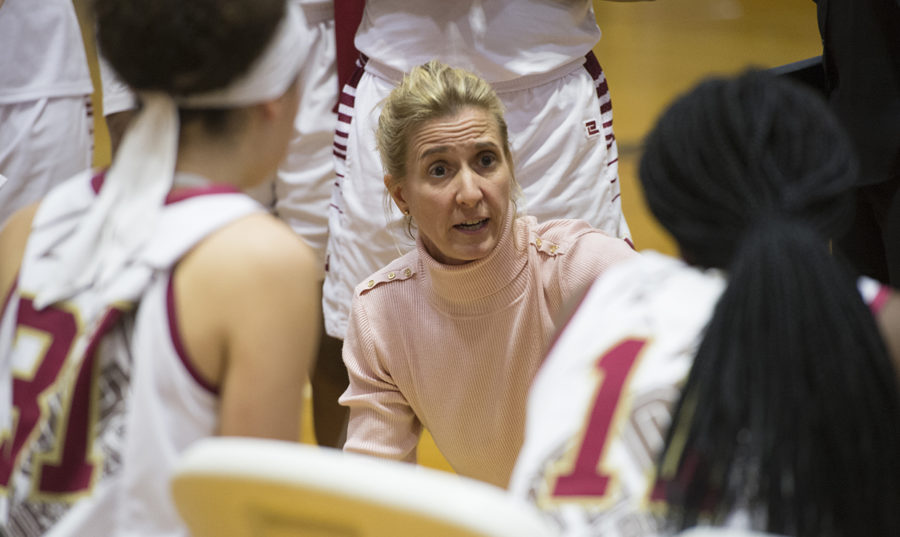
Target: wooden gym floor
(651, 52)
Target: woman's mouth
(470, 226)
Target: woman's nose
(468, 191)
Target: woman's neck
(482, 285)
(226, 158)
(212, 161)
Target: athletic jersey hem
(395, 76)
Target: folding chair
(240, 487)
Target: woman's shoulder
(253, 263)
(565, 230)
(255, 241)
(572, 236)
(387, 279)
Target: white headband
(122, 218)
(271, 74)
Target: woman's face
(457, 187)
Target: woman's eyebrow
(445, 148)
(486, 145)
(433, 150)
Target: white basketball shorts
(42, 143)
(300, 192)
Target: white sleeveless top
(104, 398)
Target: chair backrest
(241, 487)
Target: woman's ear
(395, 189)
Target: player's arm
(248, 306)
(13, 237)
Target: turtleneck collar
(484, 285)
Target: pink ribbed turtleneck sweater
(455, 347)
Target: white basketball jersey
(589, 456)
(99, 397)
(500, 40)
(600, 406)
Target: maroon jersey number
(65, 468)
(585, 478)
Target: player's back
(600, 407)
(100, 396)
(589, 457)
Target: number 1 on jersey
(585, 478)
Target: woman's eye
(438, 170)
(487, 160)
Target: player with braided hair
(754, 369)
(791, 408)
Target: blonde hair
(431, 91)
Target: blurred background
(654, 51)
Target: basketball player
(153, 304)
(300, 192)
(784, 398)
(45, 107)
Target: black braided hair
(791, 411)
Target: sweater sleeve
(589, 256)
(382, 423)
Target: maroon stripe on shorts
(348, 99)
(592, 65)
